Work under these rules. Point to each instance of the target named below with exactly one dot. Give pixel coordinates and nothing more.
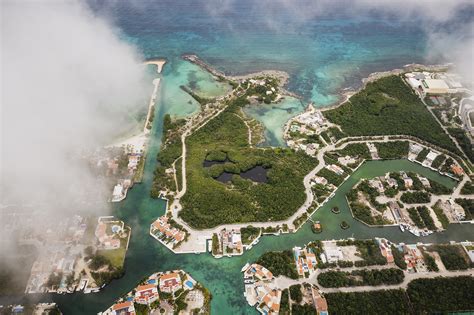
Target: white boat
(402, 228)
(244, 268)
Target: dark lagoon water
(256, 174)
(322, 56)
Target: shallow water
(321, 55)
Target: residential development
(172, 292)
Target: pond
(256, 174)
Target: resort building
(305, 261)
(125, 308)
(336, 169)
(332, 253)
(414, 258)
(320, 180)
(319, 302)
(162, 230)
(269, 303)
(170, 282)
(146, 294)
(430, 158)
(133, 161)
(231, 242)
(258, 271)
(434, 86)
(457, 170)
(106, 241)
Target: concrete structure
(434, 86)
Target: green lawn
(116, 256)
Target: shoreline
(346, 93)
(158, 62)
(281, 75)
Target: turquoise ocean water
(322, 55)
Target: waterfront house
(319, 302)
(170, 282)
(146, 294)
(332, 253)
(305, 261)
(125, 308)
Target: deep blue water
(322, 54)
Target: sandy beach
(158, 62)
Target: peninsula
(218, 181)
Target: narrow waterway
(222, 276)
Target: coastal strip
(282, 76)
(158, 62)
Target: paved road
(283, 282)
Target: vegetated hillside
(208, 202)
(389, 107)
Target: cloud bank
(68, 84)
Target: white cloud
(68, 83)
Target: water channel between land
(222, 276)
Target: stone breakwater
(282, 76)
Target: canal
(222, 276)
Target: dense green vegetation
(452, 256)
(388, 107)
(468, 206)
(386, 302)
(441, 295)
(415, 197)
(441, 216)
(284, 303)
(374, 277)
(170, 150)
(423, 296)
(439, 189)
(295, 293)
(439, 159)
(468, 188)
(279, 263)
(356, 149)
(392, 150)
(332, 177)
(422, 218)
(415, 217)
(372, 194)
(306, 309)
(249, 234)
(463, 141)
(208, 203)
(398, 258)
(362, 212)
(426, 217)
(422, 155)
(430, 262)
(369, 252)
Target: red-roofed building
(146, 294)
(125, 308)
(170, 282)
